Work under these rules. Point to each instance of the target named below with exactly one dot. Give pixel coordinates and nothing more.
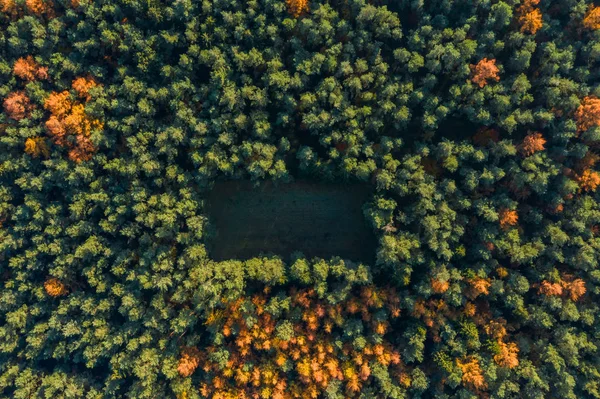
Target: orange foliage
(189, 361)
(40, 7)
(508, 355)
(68, 117)
(469, 309)
(8, 6)
(485, 70)
(82, 86)
(588, 113)
(308, 347)
(592, 18)
(551, 289)
(508, 217)
(297, 7)
(589, 180)
(36, 147)
(532, 143)
(575, 289)
(83, 149)
(478, 286)
(59, 104)
(17, 105)
(530, 20)
(28, 69)
(472, 374)
(439, 287)
(54, 287)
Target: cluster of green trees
(478, 123)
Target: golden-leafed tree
(17, 105)
(439, 286)
(532, 143)
(82, 86)
(477, 286)
(188, 361)
(472, 375)
(40, 7)
(36, 147)
(8, 7)
(54, 287)
(531, 21)
(576, 289)
(484, 71)
(508, 217)
(588, 113)
(508, 355)
(588, 180)
(592, 18)
(297, 7)
(529, 17)
(550, 289)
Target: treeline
(478, 123)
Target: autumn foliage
(566, 286)
(82, 86)
(529, 16)
(54, 287)
(40, 7)
(68, 118)
(8, 7)
(592, 18)
(17, 105)
(484, 71)
(36, 147)
(588, 113)
(27, 69)
(532, 143)
(297, 7)
(477, 286)
(295, 354)
(589, 180)
(189, 361)
(507, 218)
(472, 374)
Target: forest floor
(317, 219)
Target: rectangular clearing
(318, 219)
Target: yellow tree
(36, 146)
(297, 7)
(592, 18)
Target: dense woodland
(477, 122)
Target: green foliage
(489, 247)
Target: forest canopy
(474, 123)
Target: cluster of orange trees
(297, 350)
(68, 125)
